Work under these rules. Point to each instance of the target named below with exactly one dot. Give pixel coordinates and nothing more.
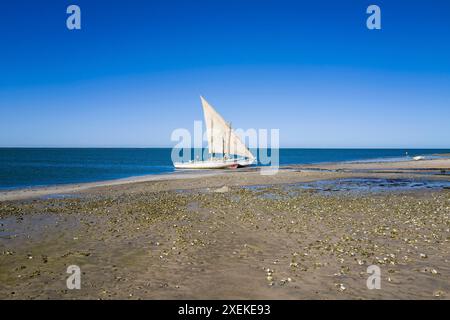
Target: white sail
(221, 138)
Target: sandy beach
(307, 232)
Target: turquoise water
(27, 167)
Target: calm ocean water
(26, 167)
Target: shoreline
(310, 172)
(37, 191)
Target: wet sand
(234, 235)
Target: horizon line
(169, 147)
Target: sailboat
(221, 140)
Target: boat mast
(229, 138)
(212, 140)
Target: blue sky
(312, 69)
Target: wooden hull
(214, 164)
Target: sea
(33, 167)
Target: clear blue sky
(135, 70)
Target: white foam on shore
(396, 159)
